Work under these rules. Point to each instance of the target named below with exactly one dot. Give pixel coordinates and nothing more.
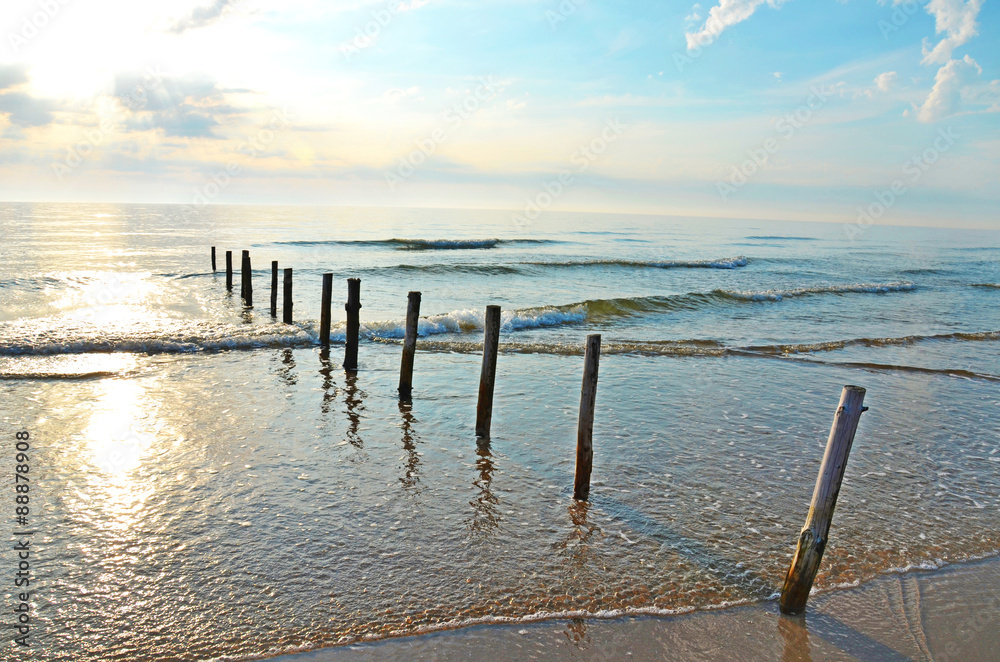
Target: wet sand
(942, 615)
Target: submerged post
(213, 260)
(286, 308)
(246, 274)
(409, 345)
(585, 424)
(324, 313)
(814, 535)
(353, 323)
(229, 270)
(274, 288)
(487, 378)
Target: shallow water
(209, 484)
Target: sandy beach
(943, 615)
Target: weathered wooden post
(324, 313)
(353, 323)
(409, 345)
(487, 378)
(286, 307)
(213, 260)
(246, 274)
(274, 288)
(814, 535)
(229, 270)
(585, 424)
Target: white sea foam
(856, 288)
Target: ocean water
(207, 484)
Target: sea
(208, 483)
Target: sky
(853, 111)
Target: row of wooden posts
(814, 535)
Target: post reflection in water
(486, 516)
(355, 401)
(576, 632)
(578, 539)
(411, 477)
(329, 388)
(795, 636)
(286, 371)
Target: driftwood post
(324, 313)
(814, 535)
(213, 260)
(585, 424)
(246, 274)
(353, 323)
(409, 345)
(286, 308)
(229, 270)
(274, 288)
(487, 378)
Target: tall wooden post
(409, 345)
(585, 424)
(353, 323)
(274, 288)
(229, 270)
(815, 533)
(286, 307)
(246, 274)
(213, 260)
(487, 377)
(324, 313)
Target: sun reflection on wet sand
(119, 437)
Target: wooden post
(353, 323)
(487, 378)
(409, 345)
(814, 535)
(246, 274)
(286, 308)
(585, 424)
(324, 313)
(213, 260)
(274, 288)
(229, 270)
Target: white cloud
(957, 21)
(885, 81)
(726, 14)
(948, 83)
(201, 16)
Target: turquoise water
(210, 485)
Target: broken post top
(353, 294)
(414, 295)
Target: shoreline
(950, 613)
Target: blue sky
(740, 108)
